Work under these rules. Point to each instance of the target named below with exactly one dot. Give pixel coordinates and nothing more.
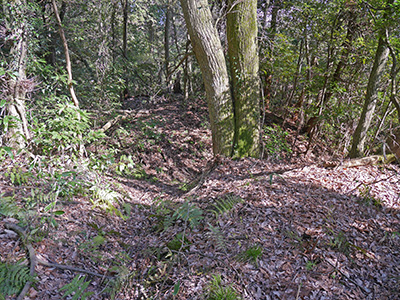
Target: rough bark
(371, 98)
(209, 53)
(18, 134)
(243, 61)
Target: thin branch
(34, 260)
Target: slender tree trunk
(18, 134)
(371, 98)
(393, 82)
(186, 72)
(125, 43)
(209, 53)
(66, 52)
(347, 45)
(113, 30)
(243, 60)
(167, 33)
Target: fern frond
(189, 212)
(224, 205)
(77, 287)
(8, 207)
(219, 238)
(13, 278)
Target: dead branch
(126, 114)
(34, 260)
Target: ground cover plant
(251, 229)
(199, 149)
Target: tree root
(34, 260)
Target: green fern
(190, 213)
(219, 238)
(17, 175)
(77, 287)
(8, 207)
(13, 277)
(105, 199)
(224, 205)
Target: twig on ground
(34, 260)
(370, 183)
(365, 290)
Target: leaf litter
(323, 233)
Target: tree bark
(371, 98)
(125, 43)
(209, 53)
(167, 33)
(18, 134)
(244, 63)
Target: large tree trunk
(243, 61)
(371, 98)
(17, 84)
(209, 53)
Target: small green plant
(77, 288)
(125, 166)
(13, 278)
(179, 242)
(45, 203)
(189, 212)
(167, 215)
(6, 151)
(63, 129)
(217, 291)
(67, 184)
(223, 205)
(8, 206)
(367, 198)
(340, 242)
(92, 248)
(105, 199)
(310, 265)
(252, 254)
(275, 142)
(18, 176)
(217, 235)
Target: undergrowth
(13, 277)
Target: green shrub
(275, 142)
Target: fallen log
(358, 162)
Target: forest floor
(283, 227)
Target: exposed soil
(323, 233)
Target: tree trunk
(167, 33)
(371, 98)
(66, 52)
(209, 53)
(125, 42)
(18, 133)
(243, 61)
